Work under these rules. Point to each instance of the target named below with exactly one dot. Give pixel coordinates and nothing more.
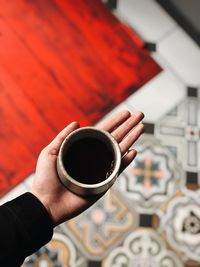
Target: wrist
(45, 202)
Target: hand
(61, 203)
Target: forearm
(25, 227)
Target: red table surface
(60, 61)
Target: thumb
(55, 144)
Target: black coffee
(88, 161)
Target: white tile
(18, 190)
(146, 17)
(182, 56)
(158, 96)
(28, 181)
(164, 64)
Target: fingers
(130, 139)
(124, 127)
(111, 123)
(127, 159)
(54, 146)
(120, 132)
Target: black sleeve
(25, 226)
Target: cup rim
(115, 171)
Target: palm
(62, 203)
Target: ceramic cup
(88, 162)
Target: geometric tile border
(180, 129)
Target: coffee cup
(89, 161)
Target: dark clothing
(25, 226)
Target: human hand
(61, 203)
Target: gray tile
(155, 98)
(182, 56)
(146, 17)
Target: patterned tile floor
(151, 216)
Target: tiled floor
(182, 56)
(147, 18)
(157, 197)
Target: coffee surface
(88, 161)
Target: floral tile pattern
(103, 226)
(142, 248)
(60, 252)
(182, 226)
(153, 176)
